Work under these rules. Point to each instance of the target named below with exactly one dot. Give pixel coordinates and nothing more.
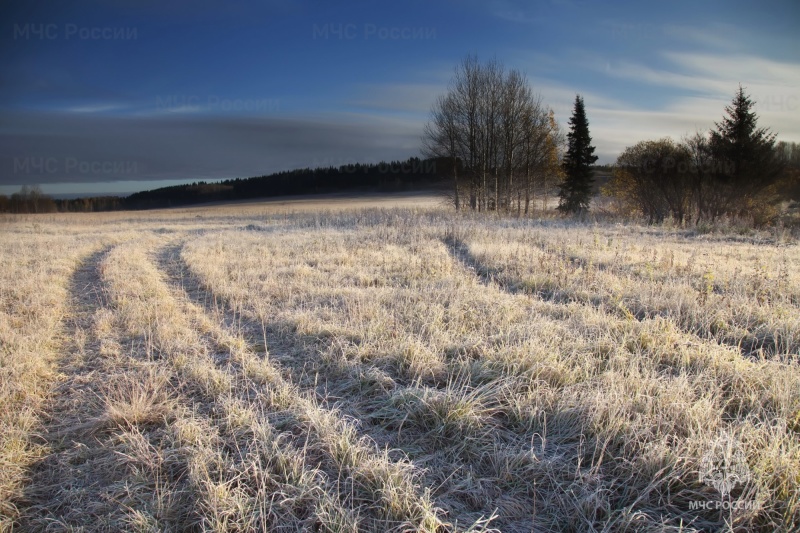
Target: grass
(34, 298)
(395, 369)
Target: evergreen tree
(576, 189)
(745, 158)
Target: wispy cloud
(690, 89)
(96, 108)
(713, 73)
(755, 70)
(716, 35)
(704, 82)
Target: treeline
(29, 199)
(736, 170)
(505, 147)
(493, 144)
(413, 173)
(395, 175)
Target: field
(403, 368)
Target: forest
(413, 173)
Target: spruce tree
(576, 189)
(745, 159)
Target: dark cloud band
(43, 148)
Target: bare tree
(496, 133)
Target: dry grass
(392, 369)
(34, 298)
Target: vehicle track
(353, 464)
(742, 330)
(83, 482)
(403, 416)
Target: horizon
(99, 96)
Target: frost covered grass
(251, 368)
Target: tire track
(381, 490)
(242, 474)
(408, 417)
(67, 421)
(449, 431)
(735, 331)
(509, 477)
(86, 481)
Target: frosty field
(405, 368)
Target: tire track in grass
(570, 414)
(294, 358)
(758, 325)
(381, 492)
(588, 471)
(571, 448)
(557, 305)
(330, 387)
(450, 431)
(746, 330)
(34, 301)
(333, 435)
(461, 253)
(445, 428)
(107, 468)
(243, 473)
(71, 412)
(669, 354)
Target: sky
(117, 96)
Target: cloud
(531, 13)
(714, 35)
(96, 108)
(49, 147)
(751, 69)
(713, 73)
(416, 98)
(678, 92)
(616, 124)
(614, 128)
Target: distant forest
(413, 173)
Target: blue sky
(123, 95)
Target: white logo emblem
(724, 466)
